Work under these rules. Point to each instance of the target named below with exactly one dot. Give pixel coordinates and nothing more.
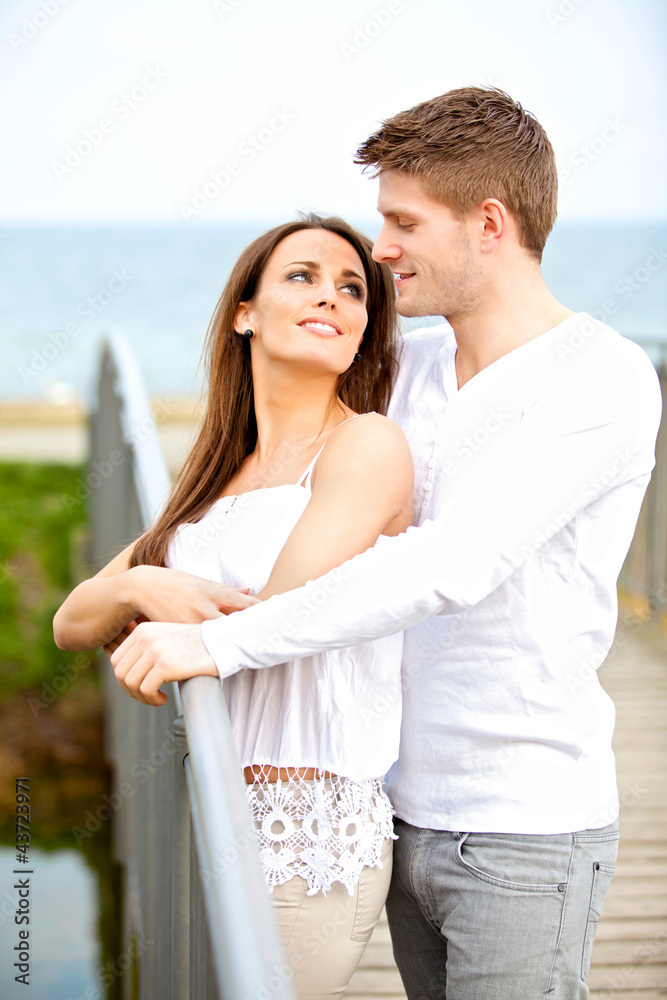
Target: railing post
(180, 869)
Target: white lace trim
(325, 830)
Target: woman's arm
(98, 610)
(362, 487)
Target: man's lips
(402, 276)
(324, 327)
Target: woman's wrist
(130, 595)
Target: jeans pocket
(512, 855)
(599, 887)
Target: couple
(532, 431)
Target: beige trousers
(325, 936)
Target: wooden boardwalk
(630, 952)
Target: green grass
(37, 532)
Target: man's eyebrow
(347, 273)
(396, 211)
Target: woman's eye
(300, 275)
(356, 290)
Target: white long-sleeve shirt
(528, 485)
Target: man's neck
(511, 315)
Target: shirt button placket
(428, 485)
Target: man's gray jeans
(492, 916)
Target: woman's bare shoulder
(371, 427)
(371, 444)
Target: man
(533, 432)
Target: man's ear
(242, 317)
(493, 224)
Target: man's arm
(550, 470)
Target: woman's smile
(322, 327)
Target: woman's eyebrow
(306, 263)
(353, 274)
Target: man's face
(428, 249)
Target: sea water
(62, 288)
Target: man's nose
(384, 249)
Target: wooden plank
(621, 977)
(628, 867)
(635, 906)
(648, 951)
(641, 849)
(644, 885)
(626, 995)
(630, 929)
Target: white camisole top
(337, 711)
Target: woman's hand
(169, 595)
(100, 610)
(154, 653)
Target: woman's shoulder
(368, 429)
(369, 444)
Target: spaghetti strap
(306, 477)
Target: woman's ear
(242, 317)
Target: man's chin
(407, 308)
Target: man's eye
(405, 225)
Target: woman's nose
(326, 293)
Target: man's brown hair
(471, 144)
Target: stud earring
(247, 334)
(357, 356)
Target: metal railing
(198, 922)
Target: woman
(286, 481)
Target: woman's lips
(323, 327)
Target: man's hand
(155, 653)
(112, 646)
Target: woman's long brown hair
(229, 430)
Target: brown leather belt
(257, 772)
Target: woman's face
(310, 305)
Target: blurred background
(146, 144)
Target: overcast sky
(121, 111)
